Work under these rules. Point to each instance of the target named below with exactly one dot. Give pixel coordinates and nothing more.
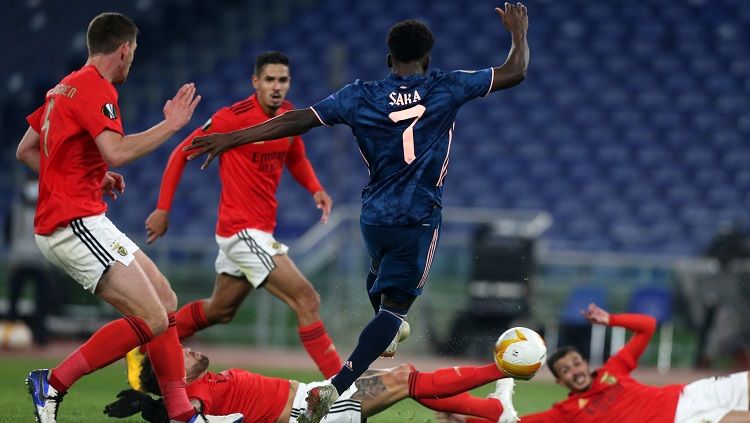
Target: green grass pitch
(86, 400)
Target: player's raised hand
(515, 17)
(596, 314)
(157, 224)
(324, 202)
(179, 110)
(212, 145)
(112, 183)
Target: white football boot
(504, 394)
(403, 332)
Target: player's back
(76, 111)
(404, 128)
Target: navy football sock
(373, 340)
(374, 298)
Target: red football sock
(320, 347)
(166, 357)
(191, 318)
(448, 382)
(470, 419)
(466, 404)
(107, 345)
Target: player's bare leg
(229, 293)
(129, 290)
(164, 292)
(285, 282)
(165, 350)
(382, 389)
(736, 417)
(288, 284)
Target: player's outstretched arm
(516, 19)
(28, 151)
(157, 222)
(289, 124)
(119, 150)
(642, 325)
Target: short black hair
(270, 58)
(410, 40)
(108, 31)
(557, 355)
(149, 383)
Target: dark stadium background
(608, 172)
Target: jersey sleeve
(173, 171)
(201, 391)
(301, 168)
(644, 326)
(178, 159)
(468, 85)
(97, 110)
(337, 107)
(35, 119)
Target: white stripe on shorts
(430, 254)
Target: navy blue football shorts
(405, 255)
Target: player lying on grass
(610, 394)
(267, 399)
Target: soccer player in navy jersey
(404, 127)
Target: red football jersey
(261, 399)
(614, 395)
(250, 173)
(75, 112)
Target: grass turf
(87, 398)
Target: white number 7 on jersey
(412, 112)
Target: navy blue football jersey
(404, 128)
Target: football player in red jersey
(267, 399)
(610, 394)
(249, 257)
(72, 140)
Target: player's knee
(157, 321)
(221, 315)
(166, 294)
(170, 300)
(397, 301)
(307, 301)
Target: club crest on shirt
(608, 379)
(109, 111)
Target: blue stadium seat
(616, 115)
(655, 301)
